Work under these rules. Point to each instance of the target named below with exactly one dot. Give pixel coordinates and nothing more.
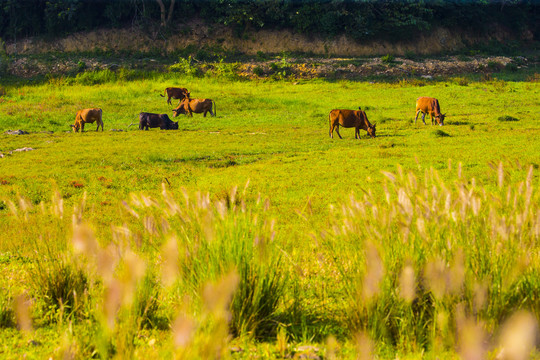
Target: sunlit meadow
(253, 234)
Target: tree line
(359, 19)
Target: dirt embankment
(337, 58)
(196, 33)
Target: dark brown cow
(428, 105)
(162, 121)
(88, 116)
(350, 118)
(190, 106)
(175, 93)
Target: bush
(387, 59)
(493, 65)
(257, 70)
(225, 70)
(186, 66)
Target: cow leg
(356, 132)
(82, 126)
(204, 115)
(424, 118)
(337, 130)
(416, 118)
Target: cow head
(179, 110)
(173, 125)
(371, 130)
(76, 127)
(440, 119)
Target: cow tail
(163, 93)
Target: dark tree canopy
(360, 19)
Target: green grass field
(302, 239)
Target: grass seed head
(365, 349)
(407, 284)
(518, 337)
(22, 313)
(217, 296)
(183, 330)
(169, 261)
(374, 272)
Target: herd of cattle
(337, 117)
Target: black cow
(162, 121)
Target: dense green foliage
(360, 19)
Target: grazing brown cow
(162, 121)
(88, 116)
(350, 118)
(190, 106)
(428, 105)
(175, 93)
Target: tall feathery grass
(432, 261)
(429, 266)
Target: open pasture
(321, 247)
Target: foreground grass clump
(411, 270)
(432, 259)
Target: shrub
(387, 59)
(225, 70)
(257, 70)
(186, 66)
(493, 65)
(81, 65)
